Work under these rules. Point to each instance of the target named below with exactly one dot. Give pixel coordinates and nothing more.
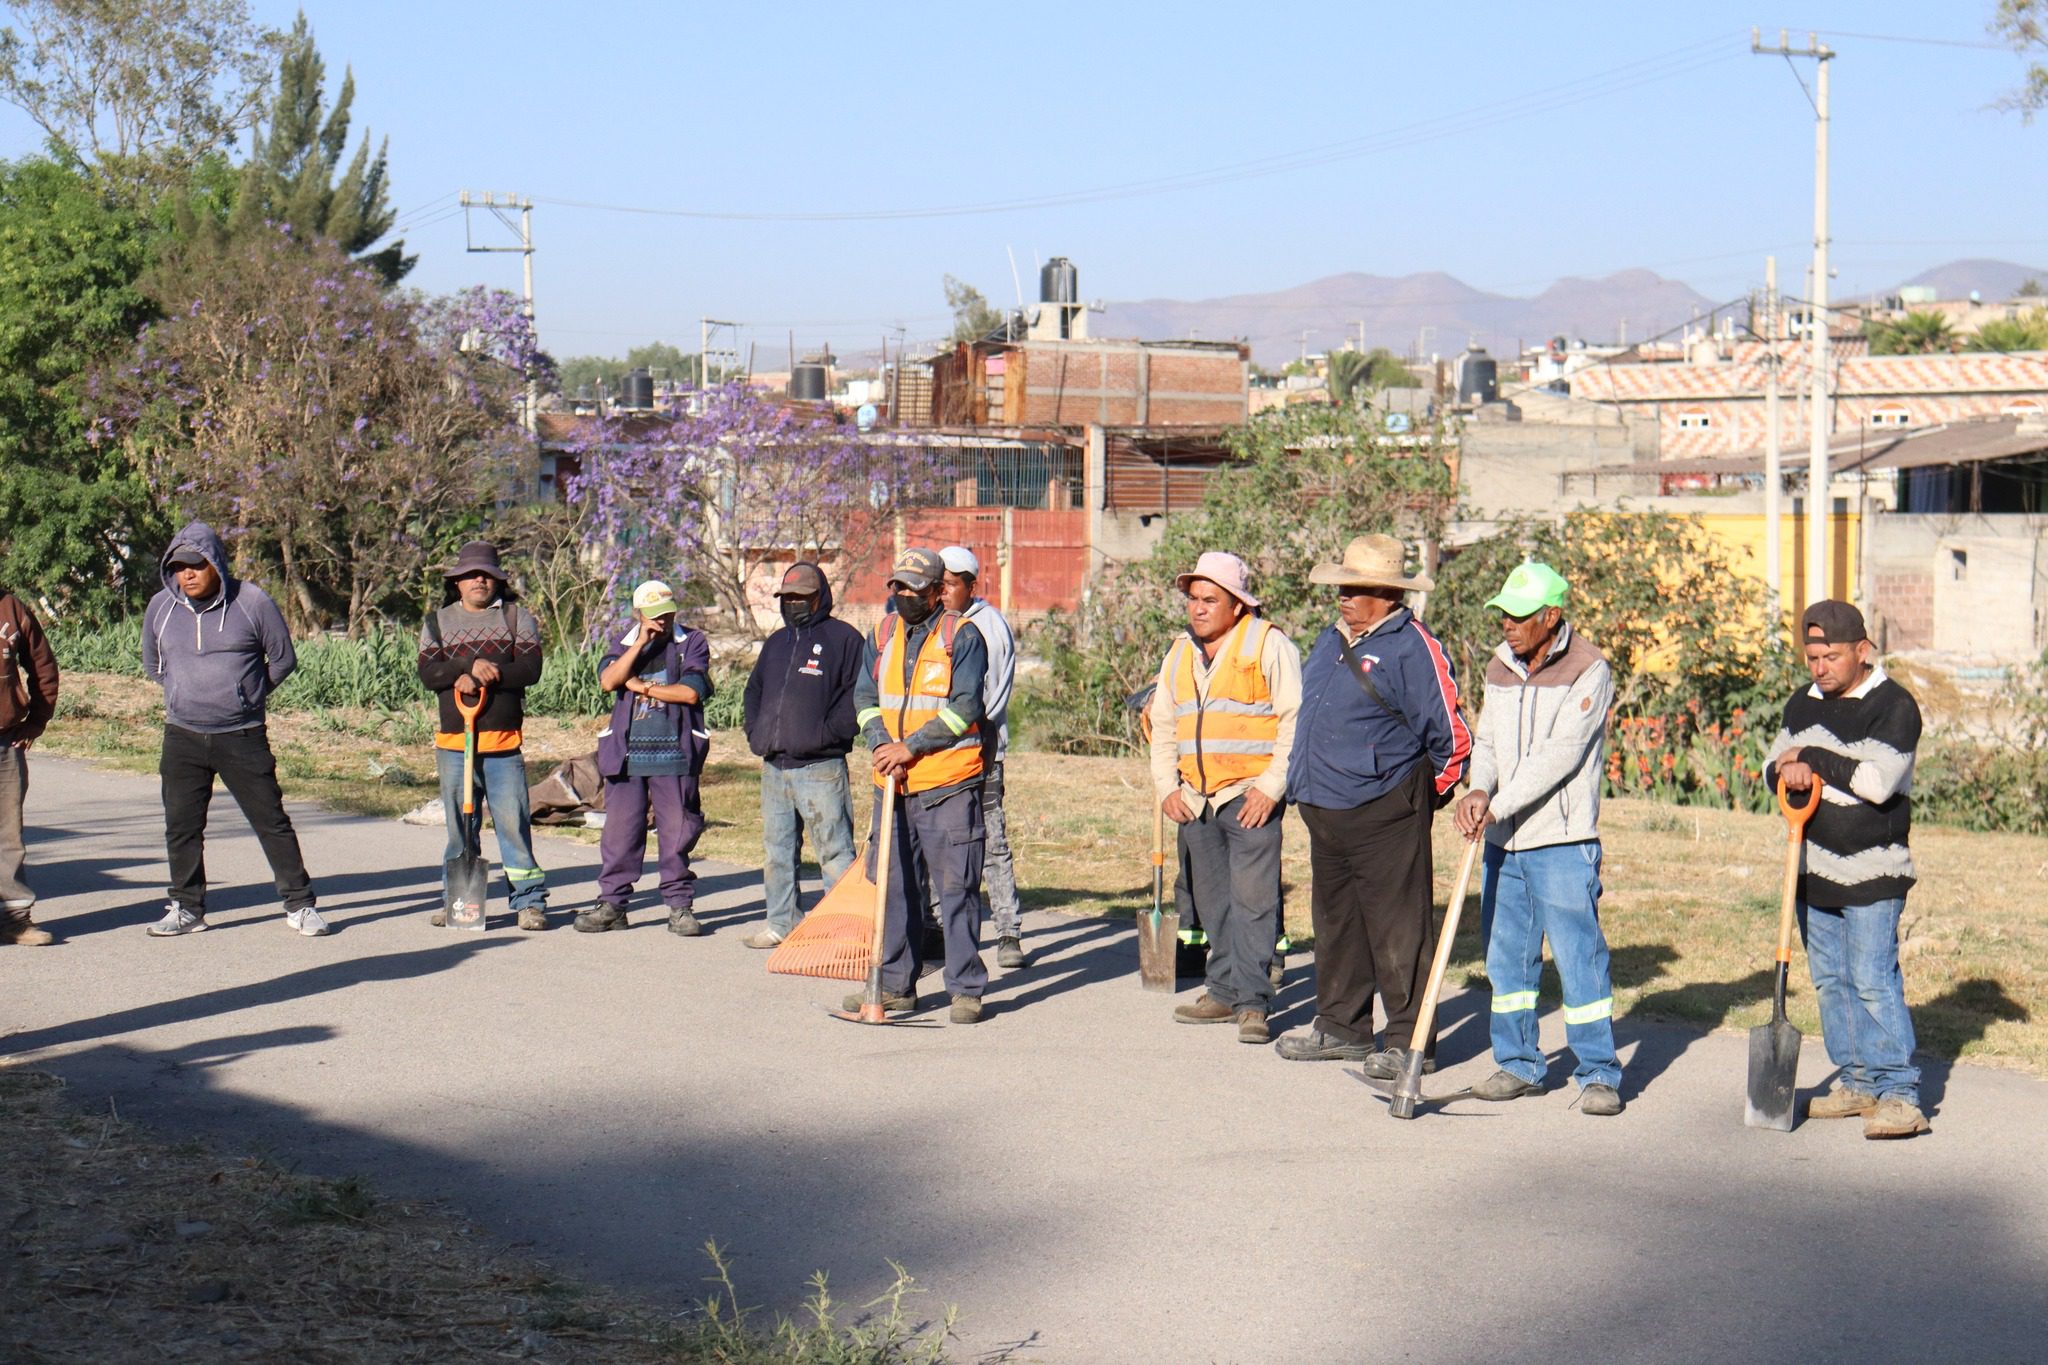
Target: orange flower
(1669, 763)
(1643, 761)
(1720, 784)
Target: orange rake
(837, 939)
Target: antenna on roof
(1016, 281)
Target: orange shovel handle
(1797, 816)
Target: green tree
(1917, 333)
(1355, 375)
(2023, 25)
(2030, 288)
(1304, 482)
(142, 88)
(71, 516)
(658, 358)
(973, 316)
(2027, 332)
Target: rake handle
(871, 1002)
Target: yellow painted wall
(1742, 535)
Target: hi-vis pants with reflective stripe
(1552, 893)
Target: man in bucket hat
(1380, 744)
(1223, 729)
(482, 638)
(1536, 760)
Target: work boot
(1505, 1085)
(1841, 1103)
(1010, 952)
(1601, 1101)
(22, 932)
(1276, 975)
(177, 920)
(681, 922)
(598, 918)
(1206, 1009)
(535, 917)
(1894, 1118)
(1252, 1028)
(966, 1010)
(1318, 1046)
(1388, 1065)
(893, 1002)
(762, 938)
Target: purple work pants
(678, 821)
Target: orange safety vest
(905, 713)
(1228, 736)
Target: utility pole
(1818, 503)
(706, 329)
(499, 206)
(1774, 478)
(1360, 325)
(1306, 333)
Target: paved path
(1078, 1173)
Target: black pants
(242, 760)
(1372, 909)
(936, 856)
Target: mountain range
(1435, 312)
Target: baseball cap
(917, 569)
(1529, 589)
(1832, 622)
(802, 580)
(960, 560)
(654, 598)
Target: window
(1891, 415)
(1694, 419)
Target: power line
(1977, 43)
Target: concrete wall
(1964, 584)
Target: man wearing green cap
(1536, 757)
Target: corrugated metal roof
(1860, 451)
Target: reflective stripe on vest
(1227, 736)
(905, 713)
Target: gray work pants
(16, 899)
(937, 854)
(1237, 885)
(998, 870)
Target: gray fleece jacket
(217, 660)
(1538, 743)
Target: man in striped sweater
(1855, 732)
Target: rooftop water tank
(1059, 282)
(1478, 377)
(807, 381)
(639, 390)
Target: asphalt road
(1083, 1178)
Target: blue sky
(1508, 146)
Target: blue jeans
(816, 798)
(1549, 892)
(501, 780)
(1854, 956)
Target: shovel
(1408, 1089)
(1774, 1047)
(1158, 932)
(469, 881)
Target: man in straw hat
(1380, 744)
(1223, 725)
(1536, 794)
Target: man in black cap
(1855, 731)
(483, 639)
(799, 717)
(919, 700)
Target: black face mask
(913, 608)
(796, 612)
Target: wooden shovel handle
(1795, 822)
(1426, 1020)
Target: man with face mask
(799, 718)
(920, 708)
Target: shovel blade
(1773, 1075)
(1158, 943)
(469, 885)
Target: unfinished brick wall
(1904, 600)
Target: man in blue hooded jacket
(219, 647)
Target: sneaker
(1505, 1085)
(598, 918)
(1894, 1118)
(23, 933)
(177, 920)
(892, 1002)
(1318, 1046)
(306, 920)
(682, 922)
(1010, 952)
(1388, 1065)
(1841, 1103)
(762, 938)
(1206, 1009)
(535, 917)
(966, 1010)
(1252, 1028)
(1601, 1101)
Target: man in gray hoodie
(219, 647)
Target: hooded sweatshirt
(217, 660)
(799, 699)
(28, 673)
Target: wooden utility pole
(1774, 477)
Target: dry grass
(1690, 909)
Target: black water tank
(1059, 282)
(1478, 377)
(807, 382)
(639, 390)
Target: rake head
(837, 939)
